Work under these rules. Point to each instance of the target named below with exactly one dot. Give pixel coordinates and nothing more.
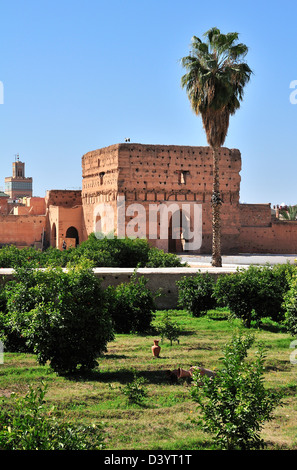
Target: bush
(255, 293)
(114, 252)
(27, 425)
(235, 403)
(102, 251)
(135, 391)
(12, 338)
(61, 315)
(195, 293)
(166, 327)
(13, 257)
(290, 306)
(159, 259)
(131, 305)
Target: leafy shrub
(13, 257)
(135, 391)
(131, 305)
(235, 402)
(159, 259)
(195, 293)
(12, 338)
(290, 306)
(62, 316)
(166, 327)
(114, 251)
(255, 292)
(26, 424)
(102, 251)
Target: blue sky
(80, 75)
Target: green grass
(164, 420)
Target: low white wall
(158, 279)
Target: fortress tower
(167, 175)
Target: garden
(79, 371)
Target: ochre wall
(152, 174)
(21, 230)
(64, 210)
(279, 237)
(100, 169)
(146, 175)
(255, 215)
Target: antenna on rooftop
(17, 157)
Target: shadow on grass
(122, 376)
(115, 356)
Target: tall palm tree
(215, 77)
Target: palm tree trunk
(216, 216)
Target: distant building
(17, 185)
(3, 203)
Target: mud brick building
(163, 174)
(129, 183)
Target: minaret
(17, 185)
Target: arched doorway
(178, 231)
(72, 233)
(54, 235)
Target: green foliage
(61, 315)
(117, 252)
(102, 251)
(195, 293)
(26, 424)
(290, 213)
(11, 256)
(290, 306)
(135, 391)
(166, 327)
(235, 403)
(131, 305)
(159, 259)
(216, 74)
(255, 292)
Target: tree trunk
(216, 216)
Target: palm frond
(216, 75)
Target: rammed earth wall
(146, 176)
(160, 174)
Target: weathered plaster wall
(155, 174)
(64, 212)
(152, 176)
(21, 230)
